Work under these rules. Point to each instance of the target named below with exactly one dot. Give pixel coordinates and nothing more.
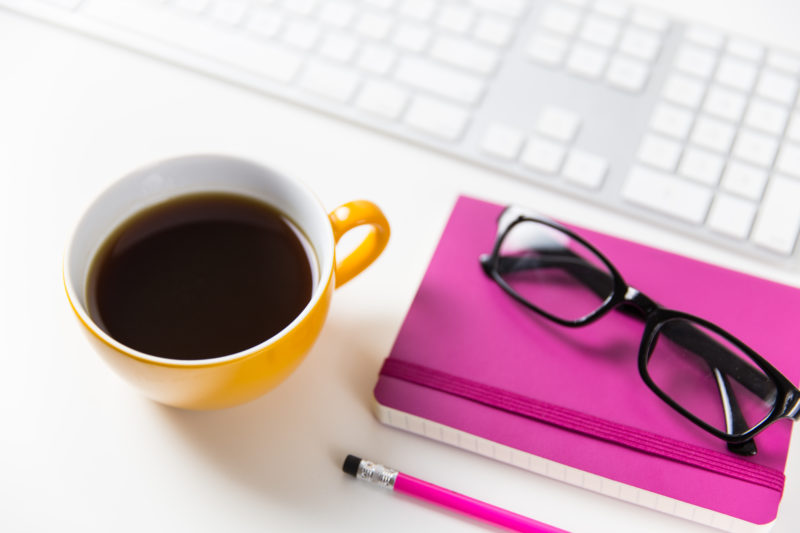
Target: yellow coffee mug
(243, 376)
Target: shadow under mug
(237, 378)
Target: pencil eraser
(350, 465)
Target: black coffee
(201, 276)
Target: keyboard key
(777, 86)
(788, 160)
(546, 49)
(558, 124)
(511, 8)
(611, 8)
(376, 58)
(330, 81)
(683, 90)
(373, 25)
(413, 37)
(659, 152)
(465, 54)
(671, 120)
(667, 194)
(766, 117)
(337, 13)
(437, 118)
(789, 63)
(502, 141)
(455, 18)
(265, 23)
(543, 155)
(301, 7)
(382, 99)
(745, 49)
(745, 180)
(736, 73)
(339, 46)
(380, 4)
(627, 74)
(560, 19)
(701, 166)
(641, 44)
(600, 31)
(778, 220)
(696, 60)
(494, 31)
(705, 36)
(587, 61)
(650, 20)
(585, 169)
(731, 216)
(725, 103)
(439, 80)
(230, 12)
(755, 148)
(712, 133)
(418, 9)
(301, 34)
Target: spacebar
(152, 21)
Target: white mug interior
(172, 178)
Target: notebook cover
(464, 332)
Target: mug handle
(348, 216)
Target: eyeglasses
(700, 370)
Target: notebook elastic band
(586, 424)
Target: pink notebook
(475, 369)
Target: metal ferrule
(378, 474)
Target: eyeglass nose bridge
(634, 298)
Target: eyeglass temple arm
(735, 421)
(794, 410)
(596, 280)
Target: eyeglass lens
(709, 376)
(553, 271)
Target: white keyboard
(663, 120)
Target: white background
(80, 450)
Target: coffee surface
(201, 276)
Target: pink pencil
(397, 481)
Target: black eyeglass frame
(787, 401)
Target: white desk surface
(82, 451)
